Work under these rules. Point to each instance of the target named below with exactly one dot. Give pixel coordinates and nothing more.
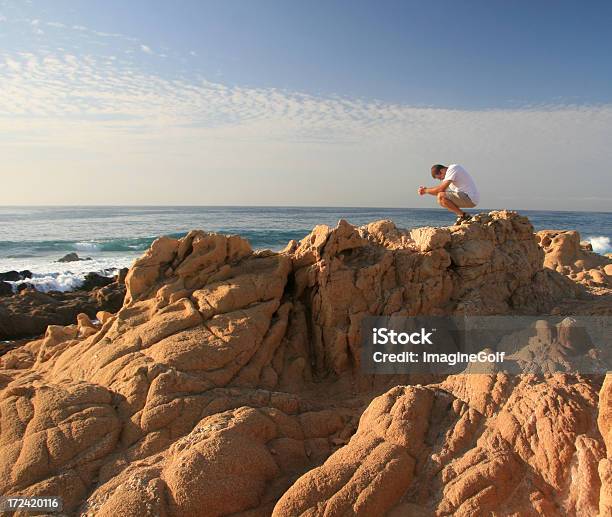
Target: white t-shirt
(461, 181)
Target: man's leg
(448, 204)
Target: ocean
(34, 238)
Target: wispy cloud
(47, 84)
(12, 64)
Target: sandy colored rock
(229, 383)
(566, 254)
(443, 450)
(605, 428)
(428, 239)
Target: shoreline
(28, 312)
(32, 239)
(65, 280)
(86, 280)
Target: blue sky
(447, 53)
(302, 92)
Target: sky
(323, 103)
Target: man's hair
(435, 169)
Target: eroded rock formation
(229, 383)
(473, 445)
(566, 254)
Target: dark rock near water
(110, 297)
(15, 276)
(29, 312)
(72, 257)
(10, 276)
(93, 280)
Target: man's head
(438, 171)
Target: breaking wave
(601, 244)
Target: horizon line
(380, 207)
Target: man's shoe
(462, 219)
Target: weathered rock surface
(605, 428)
(474, 445)
(229, 383)
(566, 254)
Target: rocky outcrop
(229, 382)
(72, 257)
(28, 313)
(565, 253)
(93, 280)
(474, 445)
(14, 276)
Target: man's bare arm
(440, 188)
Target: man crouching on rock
(457, 189)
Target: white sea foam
(53, 282)
(48, 274)
(601, 244)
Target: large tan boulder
(565, 253)
(229, 373)
(475, 445)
